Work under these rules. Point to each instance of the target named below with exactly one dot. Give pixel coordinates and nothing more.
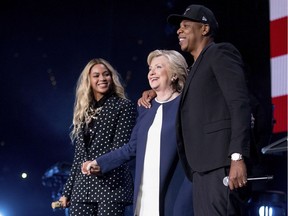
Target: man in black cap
(214, 116)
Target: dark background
(44, 45)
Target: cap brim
(175, 19)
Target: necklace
(166, 99)
(92, 114)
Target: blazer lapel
(192, 71)
(107, 106)
(191, 74)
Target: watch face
(236, 156)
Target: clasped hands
(90, 168)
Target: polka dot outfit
(110, 131)
(97, 209)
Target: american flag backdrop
(279, 57)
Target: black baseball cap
(196, 13)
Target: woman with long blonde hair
(102, 121)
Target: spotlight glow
(265, 211)
(24, 176)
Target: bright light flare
(24, 176)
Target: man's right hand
(146, 98)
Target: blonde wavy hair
(177, 66)
(84, 93)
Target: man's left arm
(229, 71)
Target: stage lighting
(266, 210)
(24, 176)
(268, 203)
(3, 210)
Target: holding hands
(90, 168)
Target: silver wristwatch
(236, 157)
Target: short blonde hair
(177, 66)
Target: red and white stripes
(279, 59)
